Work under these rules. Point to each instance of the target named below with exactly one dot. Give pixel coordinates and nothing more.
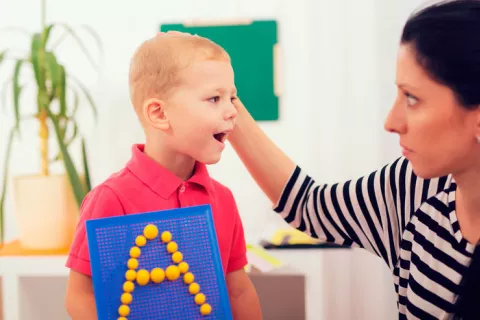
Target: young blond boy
(182, 88)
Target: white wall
(339, 60)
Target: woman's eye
(411, 100)
(214, 99)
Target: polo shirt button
(182, 188)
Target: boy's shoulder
(222, 192)
(109, 189)
(220, 187)
(119, 182)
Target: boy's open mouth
(221, 136)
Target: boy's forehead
(210, 73)
(210, 66)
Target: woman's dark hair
(446, 40)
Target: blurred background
(337, 84)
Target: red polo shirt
(144, 186)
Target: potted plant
(46, 204)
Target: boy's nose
(231, 112)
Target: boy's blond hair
(156, 64)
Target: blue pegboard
(110, 240)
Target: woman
(421, 213)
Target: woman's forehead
(409, 71)
(410, 74)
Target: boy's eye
(214, 99)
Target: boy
(182, 88)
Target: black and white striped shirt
(407, 221)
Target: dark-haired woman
(421, 213)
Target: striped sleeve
(371, 212)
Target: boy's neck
(180, 165)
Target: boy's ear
(154, 113)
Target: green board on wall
(252, 48)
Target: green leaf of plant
(37, 60)
(4, 188)
(46, 35)
(17, 89)
(57, 76)
(62, 90)
(77, 186)
(70, 119)
(87, 95)
(74, 133)
(2, 55)
(52, 73)
(43, 100)
(62, 124)
(86, 171)
(63, 129)
(76, 103)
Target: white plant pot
(46, 211)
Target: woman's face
(436, 133)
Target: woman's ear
(155, 114)
(477, 129)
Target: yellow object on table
(291, 236)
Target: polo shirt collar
(160, 180)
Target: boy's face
(200, 111)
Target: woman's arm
(269, 166)
(371, 212)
